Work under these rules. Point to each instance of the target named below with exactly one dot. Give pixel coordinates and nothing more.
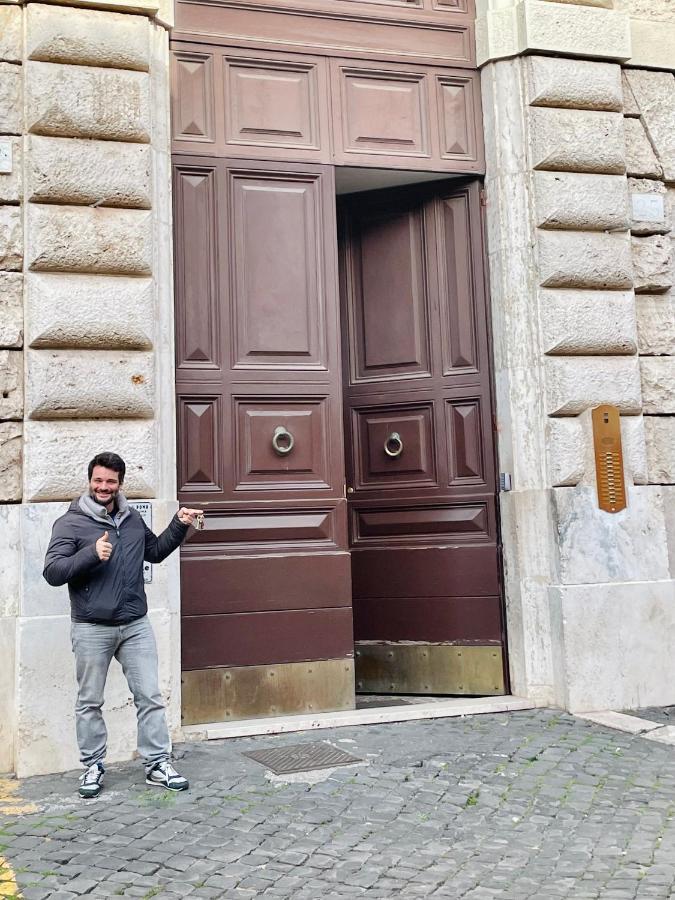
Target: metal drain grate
(302, 758)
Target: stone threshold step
(436, 709)
(651, 731)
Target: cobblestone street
(534, 804)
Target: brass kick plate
(609, 459)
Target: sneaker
(164, 775)
(91, 781)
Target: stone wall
(86, 346)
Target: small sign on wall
(609, 459)
(145, 509)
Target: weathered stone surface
(11, 183)
(656, 324)
(11, 384)
(11, 237)
(630, 107)
(653, 10)
(634, 448)
(105, 241)
(640, 159)
(652, 44)
(573, 83)
(587, 322)
(654, 93)
(10, 99)
(660, 438)
(11, 310)
(574, 140)
(573, 384)
(581, 202)
(584, 260)
(566, 451)
(648, 207)
(10, 549)
(11, 447)
(588, 30)
(7, 685)
(105, 384)
(652, 263)
(11, 18)
(56, 456)
(96, 312)
(105, 173)
(658, 384)
(87, 37)
(81, 101)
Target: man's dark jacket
(110, 592)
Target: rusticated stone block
(104, 241)
(573, 83)
(654, 93)
(10, 33)
(11, 183)
(96, 312)
(660, 437)
(10, 99)
(570, 448)
(91, 384)
(656, 325)
(658, 384)
(11, 384)
(575, 28)
(86, 37)
(640, 159)
(575, 140)
(106, 173)
(11, 237)
(575, 383)
(580, 202)
(630, 107)
(588, 322)
(10, 461)
(56, 456)
(648, 202)
(11, 310)
(652, 263)
(80, 101)
(584, 260)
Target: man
(98, 548)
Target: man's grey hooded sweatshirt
(111, 592)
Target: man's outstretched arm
(158, 547)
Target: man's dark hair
(108, 461)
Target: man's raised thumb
(105, 536)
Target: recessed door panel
(200, 468)
(192, 97)
(465, 439)
(457, 287)
(394, 446)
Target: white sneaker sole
(166, 787)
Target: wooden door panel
(458, 111)
(429, 619)
(466, 522)
(192, 96)
(467, 441)
(199, 429)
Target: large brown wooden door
(420, 462)
(266, 599)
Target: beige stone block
(660, 439)
(658, 384)
(60, 312)
(7, 693)
(580, 202)
(86, 37)
(575, 140)
(669, 505)
(630, 107)
(571, 28)
(640, 158)
(652, 263)
(11, 452)
(140, 7)
(101, 173)
(596, 547)
(574, 384)
(11, 113)
(653, 10)
(11, 237)
(87, 102)
(652, 44)
(656, 325)
(584, 260)
(11, 310)
(103, 241)
(11, 384)
(90, 384)
(615, 642)
(654, 93)
(649, 207)
(11, 184)
(634, 448)
(56, 455)
(11, 20)
(10, 559)
(587, 322)
(573, 83)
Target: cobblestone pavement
(532, 804)
(664, 715)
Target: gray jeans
(134, 647)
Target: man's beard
(110, 497)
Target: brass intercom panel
(609, 459)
